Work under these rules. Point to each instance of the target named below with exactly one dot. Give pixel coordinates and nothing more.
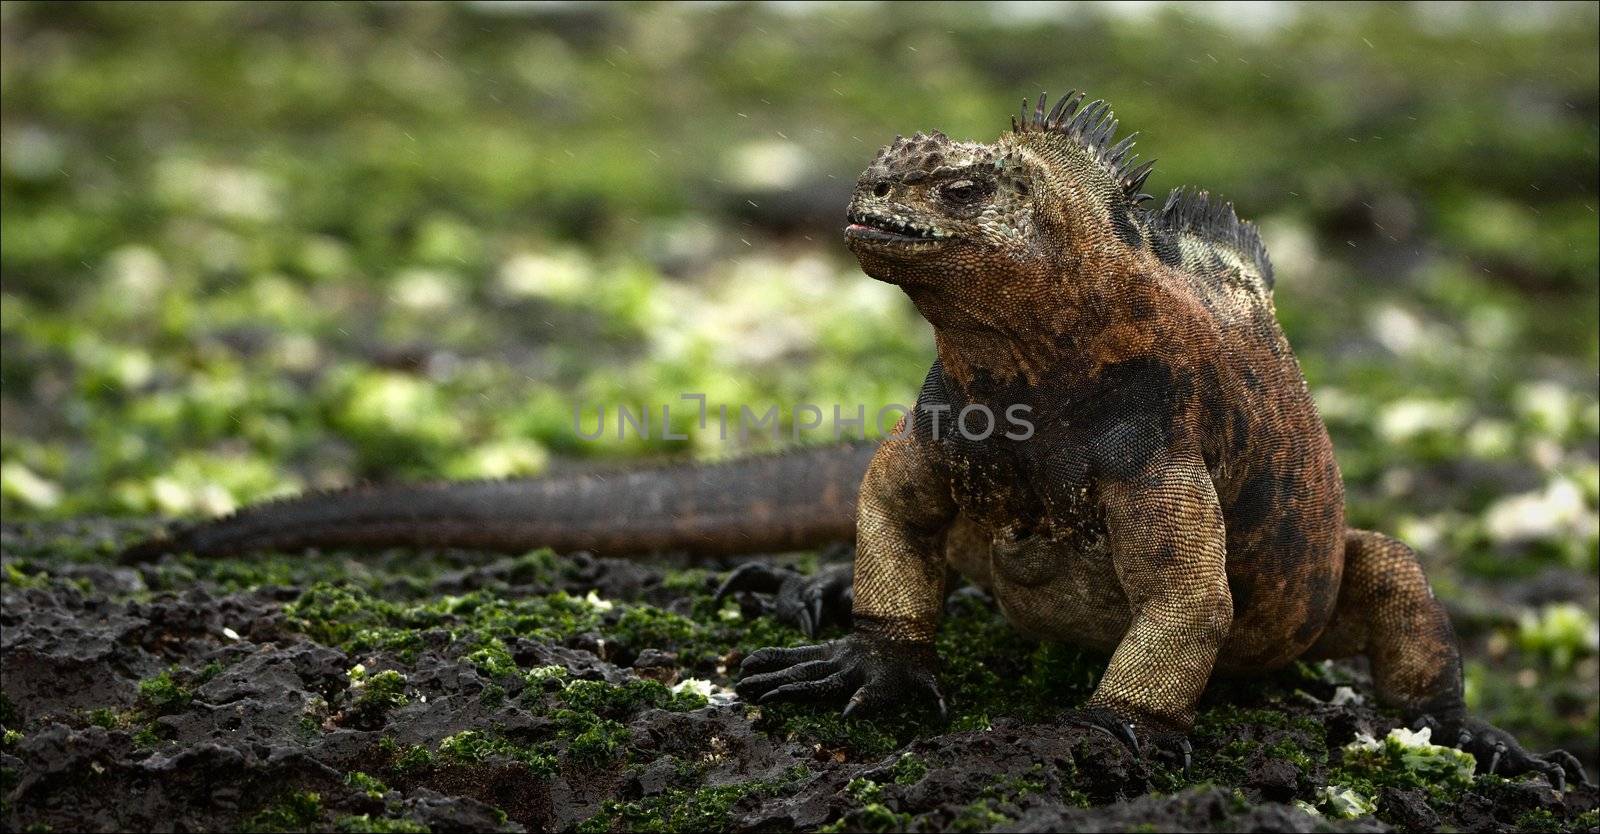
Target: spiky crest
(1092, 127)
(1196, 213)
(1186, 212)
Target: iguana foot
(1172, 745)
(1498, 752)
(1107, 722)
(874, 673)
(808, 603)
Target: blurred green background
(253, 248)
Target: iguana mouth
(889, 230)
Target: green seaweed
(475, 746)
(163, 695)
(908, 769)
(373, 787)
(298, 811)
(677, 810)
(376, 696)
(368, 824)
(12, 575)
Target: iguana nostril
(880, 190)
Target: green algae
(375, 696)
(908, 769)
(679, 810)
(476, 746)
(368, 824)
(370, 785)
(298, 811)
(163, 695)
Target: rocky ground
(450, 691)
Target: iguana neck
(1081, 330)
(977, 359)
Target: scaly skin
(1178, 504)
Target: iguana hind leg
(1387, 612)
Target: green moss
(373, 787)
(866, 738)
(474, 746)
(367, 824)
(688, 581)
(146, 737)
(300, 811)
(308, 728)
(676, 810)
(1299, 740)
(588, 714)
(406, 761)
(909, 769)
(1402, 760)
(1540, 820)
(873, 815)
(979, 816)
(207, 674)
(340, 616)
(645, 626)
(493, 660)
(13, 576)
(591, 741)
(1008, 788)
(162, 695)
(10, 739)
(376, 696)
(536, 567)
(864, 790)
(541, 679)
(104, 717)
(479, 622)
(1343, 802)
(619, 701)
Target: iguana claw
(808, 603)
(1106, 722)
(1159, 738)
(873, 672)
(1499, 753)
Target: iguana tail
(767, 503)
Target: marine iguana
(1178, 507)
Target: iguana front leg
(904, 511)
(1169, 552)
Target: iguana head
(954, 219)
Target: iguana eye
(965, 192)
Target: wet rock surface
(458, 692)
